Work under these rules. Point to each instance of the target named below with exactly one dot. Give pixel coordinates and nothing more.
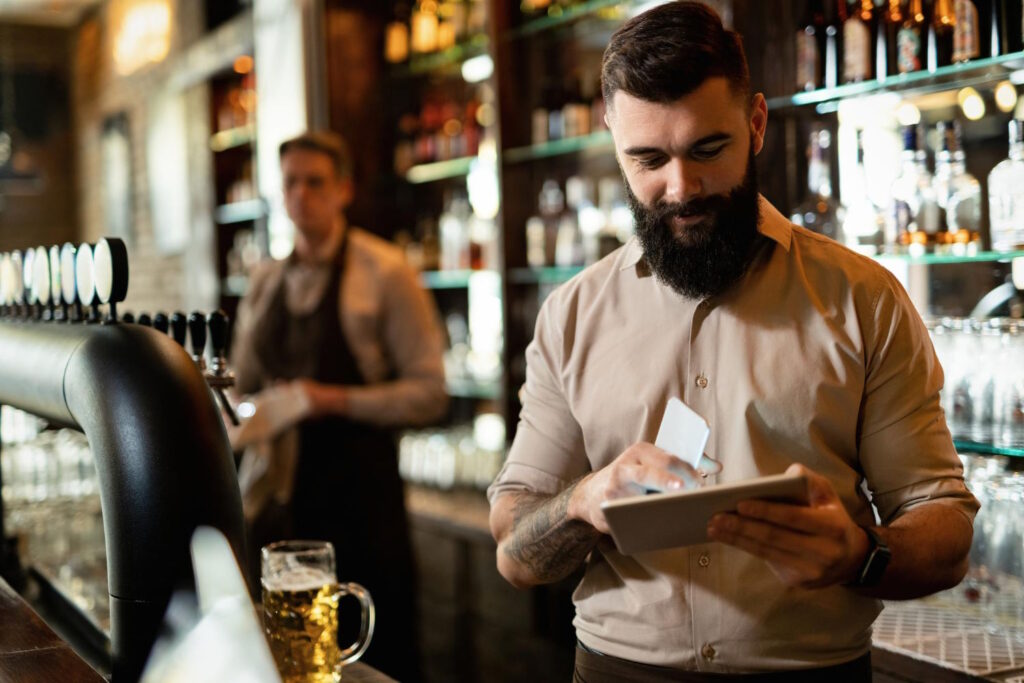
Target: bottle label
(857, 60)
(965, 33)
(908, 54)
(807, 61)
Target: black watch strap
(875, 561)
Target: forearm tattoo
(545, 540)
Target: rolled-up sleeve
(905, 447)
(548, 451)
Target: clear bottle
(911, 40)
(1006, 194)
(454, 228)
(914, 214)
(864, 225)
(958, 194)
(820, 211)
(810, 37)
(859, 42)
(966, 33)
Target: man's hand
(806, 546)
(640, 468)
(324, 399)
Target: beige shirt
(388, 320)
(816, 357)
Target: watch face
(67, 272)
(84, 281)
(41, 275)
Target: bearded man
(802, 355)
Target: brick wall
(183, 279)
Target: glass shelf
(439, 61)
(600, 141)
(232, 137)
(462, 387)
(544, 276)
(439, 170)
(571, 14)
(240, 212)
(969, 447)
(977, 72)
(445, 279)
(934, 259)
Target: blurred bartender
(802, 355)
(344, 327)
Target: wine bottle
(911, 39)
(858, 39)
(966, 34)
(810, 39)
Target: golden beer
(301, 623)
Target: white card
(683, 433)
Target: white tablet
(678, 518)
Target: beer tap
(160, 322)
(220, 376)
(144, 320)
(197, 332)
(128, 317)
(179, 327)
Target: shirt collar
(771, 224)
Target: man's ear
(758, 121)
(348, 192)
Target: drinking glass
(300, 611)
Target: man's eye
(708, 152)
(650, 162)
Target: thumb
(708, 465)
(820, 491)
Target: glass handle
(367, 619)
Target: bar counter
(941, 639)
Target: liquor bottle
(396, 35)
(914, 213)
(1006, 194)
(966, 33)
(864, 225)
(454, 228)
(810, 40)
(569, 249)
(958, 194)
(835, 19)
(858, 42)
(425, 27)
(1010, 23)
(575, 111)
(940, 35)
(820, 211)
(910, 41)
(890, 20)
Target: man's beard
(710, 255)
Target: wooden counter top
(29, 649)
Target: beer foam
(299, 579)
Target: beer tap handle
(145, 319)
(128, 317)
(179, 327)
(197, 332)
(160, 322)
(218, 323)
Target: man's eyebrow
(640, 151)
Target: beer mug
(300, 611)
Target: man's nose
(683, 182)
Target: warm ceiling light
(1006, 96)
(243, 64)
(971, 104)
(142, 33)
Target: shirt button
(704, 560)
(707, 651)
(702, 381)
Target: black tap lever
(145, 319)
(197, 333)
(161, 322)
(179, 327)
(220, 377)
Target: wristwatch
(875, 561)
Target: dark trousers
(592, 667)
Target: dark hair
(325, 142)
(669, 51)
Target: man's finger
(799, 517)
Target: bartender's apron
(348, 490)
